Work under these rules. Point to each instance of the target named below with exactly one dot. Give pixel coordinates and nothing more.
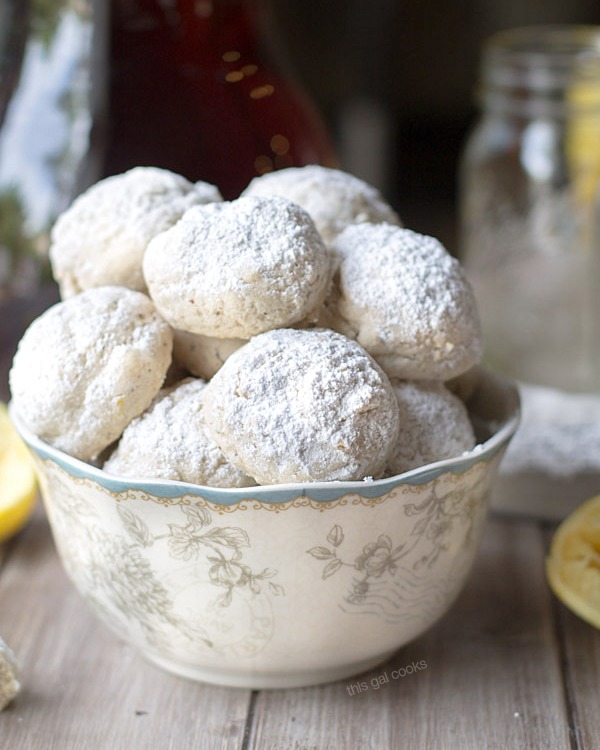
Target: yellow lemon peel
(18, 484)
(573, 565)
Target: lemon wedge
(573, 565)
(18, 484)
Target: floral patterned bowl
(278, 586)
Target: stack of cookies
(296, 334)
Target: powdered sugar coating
(101, 238)
(87, 366)
(434, 425)
(302, 406)
(333, 198)
(407, 301)
(202, 355)
(169, 441)
(10, 681)
(232, 270)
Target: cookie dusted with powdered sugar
(87, 366)
(235, 269)
(169, 441)
(434, 425)
(101, 238)
(10, 684)
(333, 198)
(302, 406)
(406, 300)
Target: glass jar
(530, 244)
(529, 179)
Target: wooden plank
(582, 673)
(492, 681)
(580, 645)
(83, 687)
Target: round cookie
(101, 238)
(232, 270)
(434, 425)
(87, 366)
(407, 300)
(333, 198)
(202, 355)
(169, 441)
(302, 406)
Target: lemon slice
(18, 485)
(573, 565)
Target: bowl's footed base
(267, 680)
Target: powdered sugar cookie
(87, 366)
(232, 270)
(434, 425)
(407, 301)
(101, 238)
(169, 441)
(202, 355)
(302, 406)
(10, 684)
(334, 199)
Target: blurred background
(396, 82)
(85, 92)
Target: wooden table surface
(507, 668)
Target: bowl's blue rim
(320, 492)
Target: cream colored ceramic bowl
(276, 586)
